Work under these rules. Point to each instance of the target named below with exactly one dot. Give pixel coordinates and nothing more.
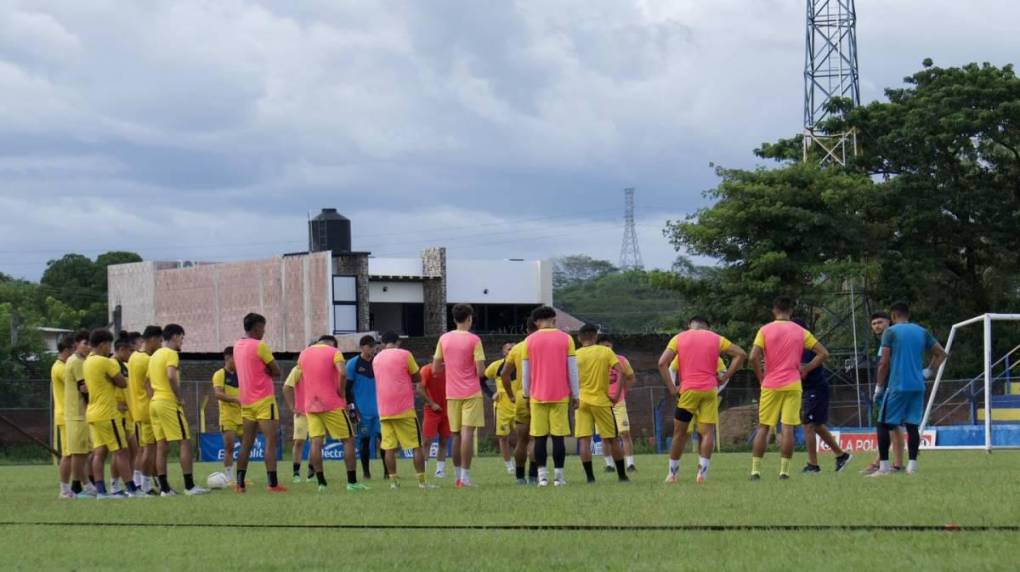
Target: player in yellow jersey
(224, 383)
(299, 433)
(620, 410)
(102, 377)
(503, 407)
(513, 386)
(166, 411)
(595, 409)
(65, 347)
(138, 404)
(77, 429)
(123, 347)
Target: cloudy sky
(209, 130)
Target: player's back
(698, 359)
(593, 365)
(908, 343)
(783, 342)
(99, 371)
(319, 378)
(394, 384)
(548, 352)
(460, 351)
(250, 359)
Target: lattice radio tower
(630, 252)
(830, 71)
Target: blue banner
(210, 448)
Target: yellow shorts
(231, 425)
(334, 422)
(622, 419)
(264, 409)
(591, 418)
(465, 413)
(77, 438)
(401, 432)
(703, 404)
(781, 404)
(144, 434)
(550, 419)
(109, 434)
(504, 416)
(60, 439)
(300, 427)
(127, 424)
(230, 418)
(168, 421)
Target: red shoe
(240, 489)
(459, 484)
(277, 489)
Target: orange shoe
(240, 489)
(277, 489)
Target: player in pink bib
(396, 375)
(256, 370)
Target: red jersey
(435, 386)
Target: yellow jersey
(57, 386)
(138, 398)
(74, 401)
(516, 357)
(495, 373)
(228, 382)
(162, 359)
(593, 365)
(99, 374)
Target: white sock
(65, 487)
(465, 475)
(509, 464)
(630, 460)
(559, 474)
(543, 474)
(609, 461)
(703, 465)
(674, 466)
(456, 471)
(883, 466)
(440, 465)
(229, 471)
(912, 466)
(89, 487)
(116, 485)
(136, 477)
(146, 483)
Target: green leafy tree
(78, 286)
(570, 270)
(623, 302)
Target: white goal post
(986, 321)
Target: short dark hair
(880, 316)
(81, 336)
(700, 319)
(461, 313)
(588, 331)
(604, 339)
(134, 336)
(252, 319)
(152, 332)
(228, 351)
(390, 337)
(100, 336)
(172, 330)
(122, 341)
(65, 343)
(543, 313)
(900, 308)
(784, 304)
(328, 339)
(366, 341)
(532, 326)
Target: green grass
(969, 489)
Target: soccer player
(503, 407)
(103, 377)
(595, 412)
(224, 383)
(138, 404)
(75, 426)
(550, 383)
(620, 409)
(781, 343)
(460, 356)
(880, 322)
(256, 369)
(361, 378)
(123, 347)
(814, 414)
(900, 387)
(396, 375)
(323, 377)
(65, 347)
(436, 422)
(295, 400)
(513, 385)
(697, 351)
(166, 411)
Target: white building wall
(396, 292)
(498, 282)
(411, 267)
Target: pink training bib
(547, 353)
(394, 386)
(784, 344)
(459, 363)
(698, 353)
(319, 377)
(253, 381)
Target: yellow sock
(784, 467)
(755, 465)
(421, 478)
(393, 477)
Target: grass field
(225, 531)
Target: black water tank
(331, 231)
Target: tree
(570, 270)
(629, 301)
(81, 284)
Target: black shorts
(814, 407)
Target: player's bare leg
(315, 460)
(676, 449)
(616, 450)
(229, 438)
(467, 444)
(786, 451)
(456, 455)
(248, 430)
(707, 432)
(761, 441)
(521, 452)
(584, 443)
(269, 429)
(297, 451)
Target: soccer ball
(217, 481)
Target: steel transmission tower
(630, 252)
(830, 71)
